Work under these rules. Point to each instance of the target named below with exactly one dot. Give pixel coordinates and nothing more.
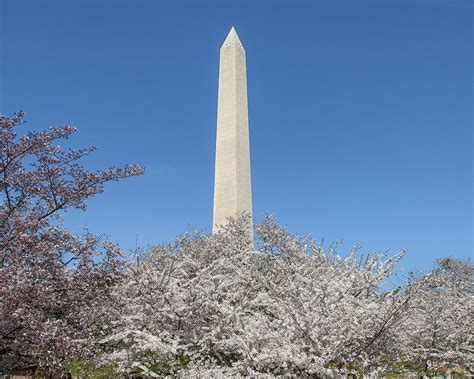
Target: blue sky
(360, 112)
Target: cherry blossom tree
(51, 281)
(437, 333)
(213, 304)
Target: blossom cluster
(216, 305)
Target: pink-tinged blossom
(51, 281)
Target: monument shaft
(232, 183)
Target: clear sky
(360, 112)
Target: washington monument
(232, 183)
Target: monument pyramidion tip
(232, 39)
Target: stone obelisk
(232, 183)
